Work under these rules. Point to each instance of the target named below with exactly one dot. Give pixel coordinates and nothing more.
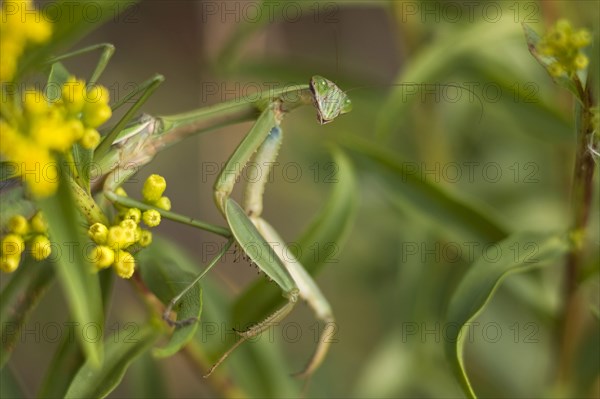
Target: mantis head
(329, 99)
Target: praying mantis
(259, 241)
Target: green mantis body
(257, 238)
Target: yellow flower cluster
(34, 232)
(20, 25)
(114, 241)
(31, 131)
(565, 44)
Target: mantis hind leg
(258, 328)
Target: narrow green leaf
(230, 51)
(82, 158)
(435, 61)
(166, 272)
(190, 306)
(563, 80)
(330, 228)
(121, 350)
(74, 271)
(428, 199)
(20, 296)
(67, 360)
(521, 252)
(529, 110)
(148, 379)
(319, 244)
(69, 357)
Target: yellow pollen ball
(124, 264)
(102, 256)
(18, 225)
(9, 264)
(40, 247)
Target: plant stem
(581, 201)
(131, 203)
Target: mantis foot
(166, 316)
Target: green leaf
(429, 200)
(435, 61)
(20, 296)
(231, 50)
(529, 110)
(334, 221)
(74, 271)
(167, 271)
(189, 307)
(563, 80)
(521, 252)
(322, 240)
(148, 378)
(121, 350)
(82, 158)
(69, 358)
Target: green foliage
(166, 272)
(521, 252)
(121, 351)
(400, 247)
(18, 298)
(81, 287)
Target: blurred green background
(505, 148)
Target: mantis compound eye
(346, 106)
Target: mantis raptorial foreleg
(262, 254)
(242, 154)
(256, 237)
(308, 290)
(263, 159)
